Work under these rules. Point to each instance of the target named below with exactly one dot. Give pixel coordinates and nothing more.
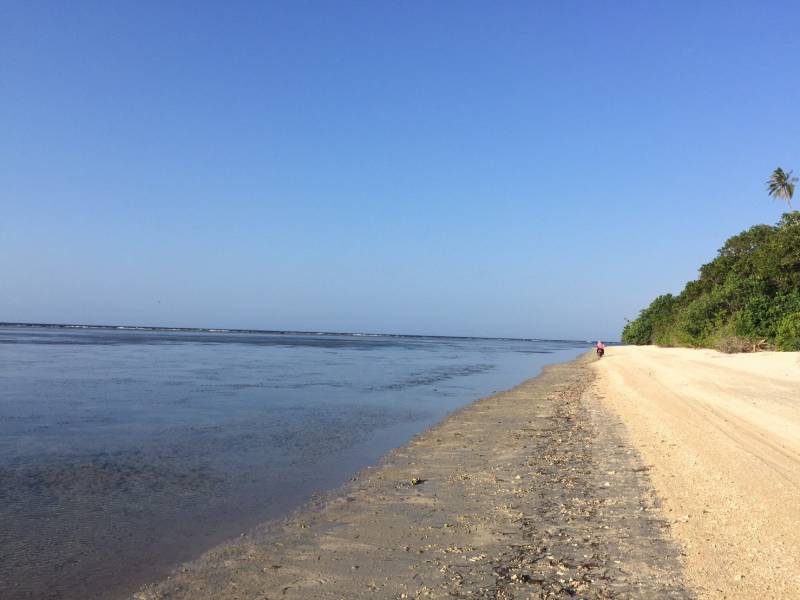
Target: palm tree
(781, 185)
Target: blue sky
(511, 169)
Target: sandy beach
(720, 435)
(651, 473)
(530, 493)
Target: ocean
(126, 451)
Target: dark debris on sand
(532, 493)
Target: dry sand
(531, 493)
(721, 435)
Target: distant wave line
(280, 332)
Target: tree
(747, 297)
(781, 185)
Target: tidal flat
(124, 453)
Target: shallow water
(125, 452)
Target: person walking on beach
(601, 348)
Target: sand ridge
(721, 436)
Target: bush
(756, 319)
(788, 335)
(651, 322)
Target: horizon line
(275, 331)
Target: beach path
(721, 437)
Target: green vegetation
(747, 298)
(781, 185)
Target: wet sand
(124, 454)
(721, 437)
(530, 493)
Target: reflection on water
(125, 452)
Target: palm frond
(781, 185)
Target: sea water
(124, 452)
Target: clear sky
(471, 168)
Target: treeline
(747, 298)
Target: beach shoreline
(531, 492)
(720, 435)
(126, 454)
